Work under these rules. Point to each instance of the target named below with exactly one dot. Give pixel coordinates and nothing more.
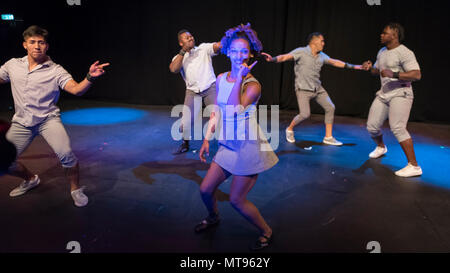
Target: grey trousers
(322, 98)
(396, 106)
(52, 130)
(192, 109)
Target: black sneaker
(183, 148)
(259, 245)
(207, 223)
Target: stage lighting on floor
(101, 116)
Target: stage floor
(144, 199)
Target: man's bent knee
(401, 134)
(373, 130)
(68, 159)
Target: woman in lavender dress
(245, 152)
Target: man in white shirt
(195, 65)
(398, 68)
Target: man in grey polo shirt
(308, 64)
(35, 82)
(398, 68)
(195, 65)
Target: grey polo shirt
(307, 68)
(35, 92)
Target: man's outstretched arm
(341, 64)
(278, 59)
(78, 89)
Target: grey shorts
(52, 130)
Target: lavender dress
(243, 147)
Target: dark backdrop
(139, 39)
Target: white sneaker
(378, 152)
(25, 186)
(331, 141)
(79, 198)
(409, 171)
(290, 136)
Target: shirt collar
(193, 49)
(310, 51)
(47, 63)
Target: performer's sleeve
(325, 57)
(209, 47)
(4, 72)
(62, 77)
(378, 57)
(297, 53)
(409, 62)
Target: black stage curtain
(139, 39)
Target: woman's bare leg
(240, 187)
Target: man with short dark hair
(195, 65)
(308, 64)
(398, 68)
(35, 82)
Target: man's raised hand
(367, 65)
(96, 69)
(267, 57)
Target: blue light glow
(101, 116)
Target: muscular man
(398, 68)
(308, 64)
(35, 82)
(195, 65)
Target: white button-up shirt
(35, 92)
(197, 70)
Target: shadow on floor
(180, 165)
